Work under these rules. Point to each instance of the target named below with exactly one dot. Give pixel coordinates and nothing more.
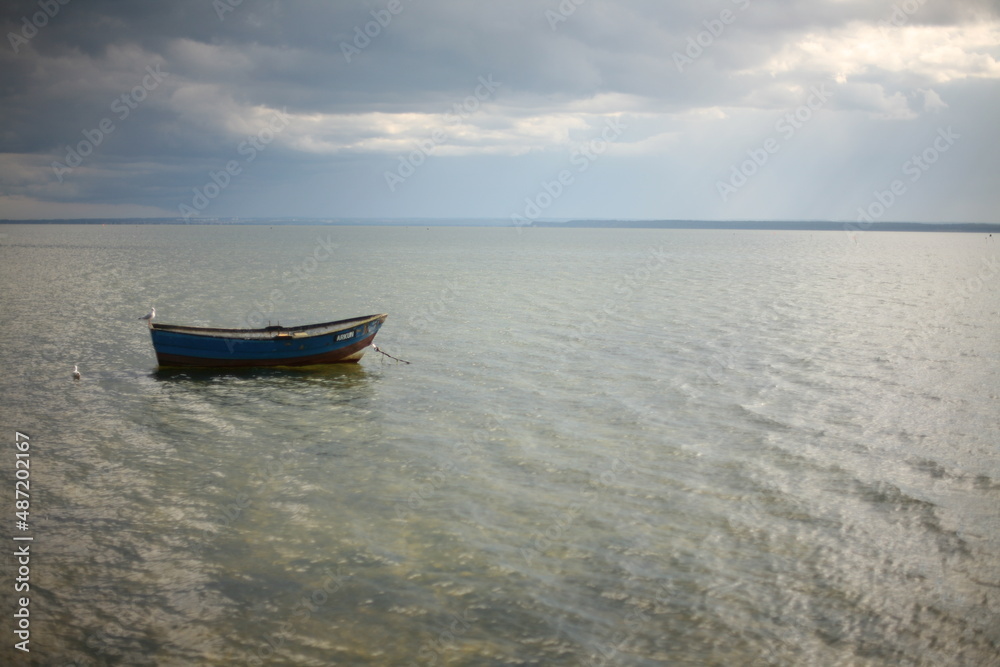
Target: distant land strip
(772, 225)
(783, 225)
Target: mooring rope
(377, 349)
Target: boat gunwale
(268, 332)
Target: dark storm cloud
(161, 95)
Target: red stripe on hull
(339, 356)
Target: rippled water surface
(612, 447)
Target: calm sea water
(612, 447)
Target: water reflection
(345, 374)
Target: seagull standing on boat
(149, 316)
(76, 373)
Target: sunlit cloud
(935, 53)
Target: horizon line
(481, 219)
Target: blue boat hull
(343, 341)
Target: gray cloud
(698, 86)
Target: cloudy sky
(520, 109)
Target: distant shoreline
(780, 225)
(735, 225)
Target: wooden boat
(343, 341)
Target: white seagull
(150, 315)
(76, 373)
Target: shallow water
(629, 447)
